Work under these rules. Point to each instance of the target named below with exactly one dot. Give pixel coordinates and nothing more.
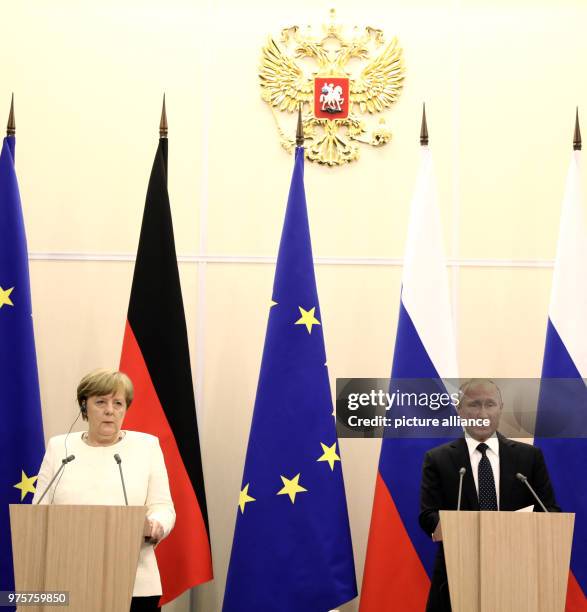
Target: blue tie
(487, 494)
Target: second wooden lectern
(507, 561)
(89, 551)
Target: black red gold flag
(155, 354)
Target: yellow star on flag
(273, 303)
(26, 485)
(329, 454)
(308, 319)
(244, 498)
(5, 297)
(291, 487)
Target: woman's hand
(153, 531)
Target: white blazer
(93, 478)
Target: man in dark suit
(489, 483)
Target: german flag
(155, 355)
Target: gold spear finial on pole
(577, 134)
(11, 126)
(300, 128)
(163, 129)
(424, 128)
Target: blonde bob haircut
(103, 382)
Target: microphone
(461, 474)
(64, 462)
(523, 479)
(119, 461)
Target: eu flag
(292, 546)
(21, 426)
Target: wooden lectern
(507, 561)
(90, 551)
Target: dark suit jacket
(440, 486)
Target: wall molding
(324, 261)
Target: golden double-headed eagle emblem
(343, 84)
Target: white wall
(501, 81)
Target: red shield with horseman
(331, 98)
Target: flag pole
(163, 128)
(577, 134)
(424, 128)
(163, 132)
(300, 129)
(11, 125)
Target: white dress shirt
(493, 456)
(93, 478)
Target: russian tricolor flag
(399, 555)
(565, 356)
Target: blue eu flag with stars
(292, 546)
(21, 426)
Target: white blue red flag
(565, 357)
(399, 554)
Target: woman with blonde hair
(93, 478)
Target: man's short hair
(473, 381)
